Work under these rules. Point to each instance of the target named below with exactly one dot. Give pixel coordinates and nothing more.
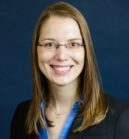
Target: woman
(68, 100)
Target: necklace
(58, 115)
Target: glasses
(53, 45)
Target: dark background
(109, 24)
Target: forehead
(60, 28)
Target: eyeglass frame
(57, 45)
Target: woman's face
(60, 65)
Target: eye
(49, 44)
(73, 44)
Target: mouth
(61, 70)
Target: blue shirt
(66, 127)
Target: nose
(61, 53)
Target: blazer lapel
(76, 123)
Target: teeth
(61, 68)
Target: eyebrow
(48, 39)
(51, 39)
(75, 39)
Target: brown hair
(94, 105)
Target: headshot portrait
(68, 100)
(65, 70)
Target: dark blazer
(114, 126)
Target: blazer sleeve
(14, 131)
(122, 125)
(17, 130)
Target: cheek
(43, 56)
(79, 56)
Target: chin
(64, 82)
(61, 83)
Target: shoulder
(23, 106)
(21, 111)
(18, 120)
(119, 115)
(115, 125)
(116, 103)
(116, 107)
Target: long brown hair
(94, 105)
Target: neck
(63, 97)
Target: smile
(61, 70)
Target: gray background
(109, 24)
